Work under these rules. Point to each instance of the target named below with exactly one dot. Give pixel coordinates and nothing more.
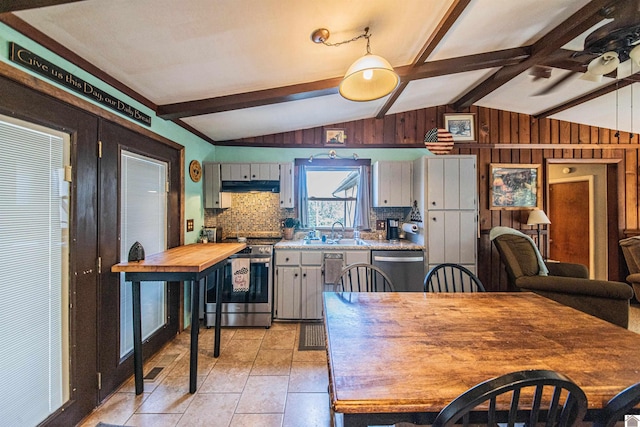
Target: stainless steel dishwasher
(404, 267)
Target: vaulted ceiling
(230, 69)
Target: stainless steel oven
(252, 307)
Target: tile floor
(260, 379)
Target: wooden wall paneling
(389, 131)
(631, 186)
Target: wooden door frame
(592, 225)
(615, 207)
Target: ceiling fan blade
(561, 81)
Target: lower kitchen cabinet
(299, 281)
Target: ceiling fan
(613, 43)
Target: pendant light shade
(370, 77)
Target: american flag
(438, 141)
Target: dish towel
(332, 270)
(240, 274)
(498, 231)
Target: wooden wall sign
(35, 63)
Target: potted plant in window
(290, 225)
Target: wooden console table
(189, 263)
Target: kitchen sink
(339, 242)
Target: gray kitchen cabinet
(213, 198)
(298, 284)
(392, 184)
(446, 192)
(235, 172)
(265, 171)
(250, 171)
(299, 281)
(286, 185)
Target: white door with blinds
(143, 219)
(34, 272)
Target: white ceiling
(172, 51)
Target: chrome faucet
(333, 232)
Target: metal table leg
(195, 329)
(218, 284)
(137, 338)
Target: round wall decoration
(195, 170)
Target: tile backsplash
(259, 214)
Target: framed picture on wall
(514, 186)
(334, 137)
(462, 126)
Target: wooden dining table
(189, 264)
(396, 357)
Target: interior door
(22, 103)
(115, 369)
(569, 231)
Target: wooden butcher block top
(194, 258)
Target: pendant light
(368, 78)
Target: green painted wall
(195, 147)
(266, 155)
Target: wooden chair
(363, 277)
(452, 278)
(529, 397)
(618, 407)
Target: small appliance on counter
(213, 234)
(393, 225)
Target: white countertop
(401, 245)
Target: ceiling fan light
(591, 77)
(604, 64)
(635, 55)
(370, 77)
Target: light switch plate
(380, 224)
(189, 225)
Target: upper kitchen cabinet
(213, 198)
(265, 171)
(235, 171)
(449, 180)
(250, 171)
(392, 183)
(286, 185)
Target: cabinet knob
(385, 201)
(295, 275)
(433, 219)
(286, 259)
(433, 203)
(304, 275)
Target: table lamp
(538, 217)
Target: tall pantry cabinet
(446, 193)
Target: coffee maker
(393, 224)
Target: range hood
(249, 186)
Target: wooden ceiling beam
(249, 99)
(15, 5)
(443, 27)
(330, 86)
(568, 30)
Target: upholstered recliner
(631, 251)
(565, 283)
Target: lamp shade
(370, 77)
(604, 64)
(537, 217)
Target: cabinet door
(311, 292)
(288, 297)
(213, 198)
(468, 183)
(436, 237)
(236, 171)
(265, 171)
(286, 185)
(357, 256)
(435, 185)
(392, 184)
(468, 237)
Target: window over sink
(334, 190)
